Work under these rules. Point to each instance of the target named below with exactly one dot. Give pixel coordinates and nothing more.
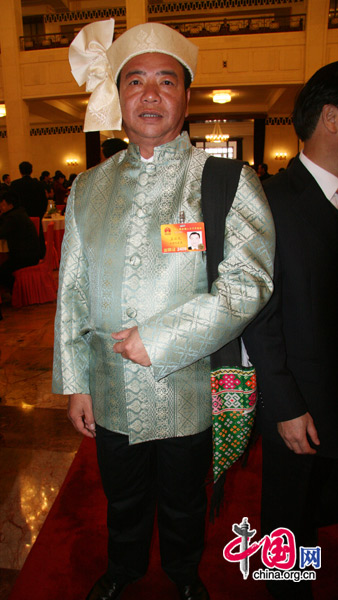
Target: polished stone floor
(37, 442)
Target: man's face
(153, 100)
(4, 207)
(194, 239)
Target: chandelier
(217, 136)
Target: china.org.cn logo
(278, 554)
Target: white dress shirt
(326, 180)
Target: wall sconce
(281, 156)
(2, 110)
(71, 162)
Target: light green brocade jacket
(113, 275)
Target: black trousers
(169, 474)
(299, 492)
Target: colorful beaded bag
(234, 395)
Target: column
(17, 117)
(136, 12)
(316, 36)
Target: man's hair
(265, 166)
(194, 233)
(321, 89)
(25, 168)
(10, 198)
(113, 145)
(5, 176)
(187, 78)
(44, 174)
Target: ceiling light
(221, 97)
(2, 110)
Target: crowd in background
(27, 197)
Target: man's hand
(295, 432)
(131, 346)
(80, 412)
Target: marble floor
(37, 442)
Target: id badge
(183, 237)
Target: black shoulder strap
(219, 184)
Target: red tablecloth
(59, 229)
(3, 251)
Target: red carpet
(69, 554)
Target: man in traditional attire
(135, 326)
(293, 341)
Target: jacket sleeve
(280, 397)
(71, 349)
(199, 327)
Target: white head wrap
(96, 61)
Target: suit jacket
(114, 275)
(33, 198)
(31, 194)
(22, 239)
(293, 342)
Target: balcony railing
(55, 40)
(166, 7)
(240, 26)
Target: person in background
(32, 197)
(262, 172)
(71, 178)
(112, 145)
(50, 195)
(135, 328)
(6, 182)
(21, 236)
(293, 342)
(60, 190)
(45, 178)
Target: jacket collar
(313, 206)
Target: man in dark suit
(262, 172)
(20, 233)
(6, 182)
(32, 197)
(293, 342)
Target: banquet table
(59, 229)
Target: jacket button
(135, 260)
(131, 312)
